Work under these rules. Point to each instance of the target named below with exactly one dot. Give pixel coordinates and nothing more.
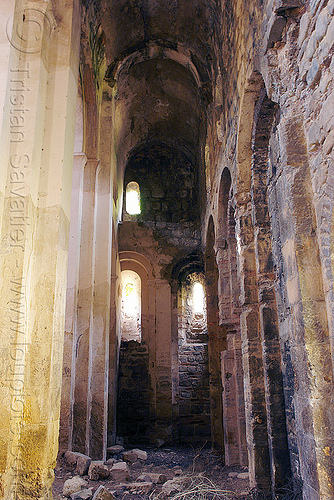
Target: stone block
(329, 38)
(243, 475)
(326, 114)
(115, 450)
(85, 494)
(275, 30)
(140, 488)
(98, 470)
(103, 494)
(120, 472)
(313, 136)
(171, 487)
(329, 142)
(152, 477)
(313, 74)
(73, 485)
(311, 47)
(129, 456)
(132, 456)
(83, 463)
(77, 462)
(321, 24)
(303, 26)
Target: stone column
(175, 359)
(163, 361)
(216, 343)
(35, 190)
(311, 347)
(100, 323)
(65, 434)
(81, 345)
(255, 405)
(100, 331)
(271, 350)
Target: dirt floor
(196, 470)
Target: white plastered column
(36, 155)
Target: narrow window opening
(198, 299)
(132, 198)
(131, 306)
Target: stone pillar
(163, 361)
(233, 403)
(80, 367)
(216, 343)
(100, 322)
(35, 192)
(114, 345)
(65, 433)
(255, 405)
(151, 328)
(102, 270)
(175, 360)
(271, 350)
(311, 348)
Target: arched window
(132, 198)
(131, 306)
(192, 319)
(198, 299)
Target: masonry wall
(286, 48)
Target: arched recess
(269, 461)
(135, 405)
(216, 338)
(190, 381)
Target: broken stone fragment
(103, 494)
(171, 487)
(143, 478)
(120, 472)
(85, 494)
(97, 470)
(243, 475)
(132, 456)
(157, 478)
(140, 488)
(177, 470)
(73, 485)
(77, 462)
(110, 462)
(115, 450)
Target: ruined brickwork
(223, 112)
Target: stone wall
(133, 393)
(194, 396)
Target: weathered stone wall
(133, 393)
(289, 46)
(194, 395)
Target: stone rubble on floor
(124, 475)
(115, 469)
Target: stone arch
(133, 414)
(138, 263)
(190, 382)
(269, 461)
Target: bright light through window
(198, 298)
(132, 198)
(131, 306)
